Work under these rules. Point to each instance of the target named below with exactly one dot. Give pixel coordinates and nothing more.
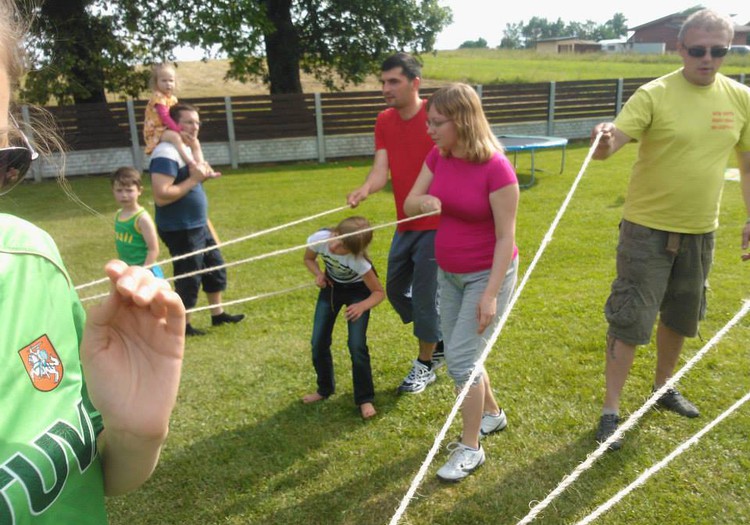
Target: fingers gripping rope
(633, 419)
(478, 365)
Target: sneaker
(418, 378)
(607, 426)
(190, 331)
(674, 401)
(492, 423)
(438, 356)
(224, 318)
(462, 462)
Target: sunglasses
(15, 162)
(700, 51)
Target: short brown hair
(127, 176)
(177, 110)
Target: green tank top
(129, 241)
(50, 469)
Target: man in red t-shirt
(401, 145)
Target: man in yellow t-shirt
(687, 123)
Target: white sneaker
(418, 378)
(492, 423)
(462, 462)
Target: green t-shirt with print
(50, 470)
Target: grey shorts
(658, 272)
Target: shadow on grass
(232, 472)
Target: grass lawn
(243, 449)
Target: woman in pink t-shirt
(468, 179)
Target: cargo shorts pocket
(621, 308)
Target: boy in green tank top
(135, 233)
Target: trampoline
(520, 143)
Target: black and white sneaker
(418, 378)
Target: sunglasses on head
(15, 162)
(700, 51)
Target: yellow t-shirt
(686, 134)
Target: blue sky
(487, 18)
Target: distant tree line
(520, 35)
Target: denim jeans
(330, 301)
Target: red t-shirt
(407, 144)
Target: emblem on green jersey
(42, 363)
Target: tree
(479, 43)
(512, 36)
(83, 48)
(338, 42)
(616, 27)
(78, 56)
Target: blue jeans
(411, 282)
(330, 301)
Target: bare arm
(418, 201)
(355, 311)
(148, 230)
(311, 262)
(744, 161)
(504, 204)
(165, 190)
(612, 140)
(375, 181)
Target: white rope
(222, 245)
(284, 250)
(658, 466)
(478, 365)
(251, 298)
(633, 419)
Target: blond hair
(460, 103)
(707, 20)
(356, 244)
(158, 68)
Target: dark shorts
(187, 241)
(652, 279)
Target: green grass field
(243, 449)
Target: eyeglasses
(15, 162)
(700, 51)
(436, 123)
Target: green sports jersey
(129, 241)
(50, 471)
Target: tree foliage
(339, 42)
(77, 55)
(82, 49)
(523, 34)
(479, 43)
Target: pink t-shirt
(465, 238)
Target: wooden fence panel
(584, 99)
(93, 126)
(276, 116)
(506, 103)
